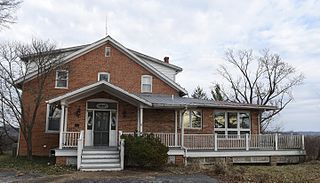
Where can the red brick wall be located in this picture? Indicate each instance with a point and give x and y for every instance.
(124, 73)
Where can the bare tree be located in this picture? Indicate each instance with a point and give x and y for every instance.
(17, 63)
(7, 10)
(199, 93)
(261, 80)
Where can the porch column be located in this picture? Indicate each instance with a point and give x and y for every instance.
(63, 104)
(182, 130)
(140, 120)
(175, 128)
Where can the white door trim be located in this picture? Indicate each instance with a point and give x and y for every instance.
(89, 133)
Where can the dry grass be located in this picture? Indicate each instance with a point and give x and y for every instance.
(306, 172)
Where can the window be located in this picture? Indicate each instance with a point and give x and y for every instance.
(61, 79)
(107, 52)
(53, 117)
(232, 123)
(146, 84)
(192, 119)
(104, 76)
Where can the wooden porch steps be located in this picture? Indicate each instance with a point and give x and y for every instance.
(100, 159)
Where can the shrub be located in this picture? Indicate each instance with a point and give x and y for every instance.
(144, 151)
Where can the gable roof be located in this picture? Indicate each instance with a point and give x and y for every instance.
(75, 52)
(99, 87)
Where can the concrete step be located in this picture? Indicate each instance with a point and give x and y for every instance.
(113, 160)
(99, 169)
(99, 156)
(94, 148)
(96, 152)
(100, 165)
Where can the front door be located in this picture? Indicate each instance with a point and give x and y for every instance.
(101, 128)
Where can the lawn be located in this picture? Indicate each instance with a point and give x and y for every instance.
(39, 165)
(305, 172)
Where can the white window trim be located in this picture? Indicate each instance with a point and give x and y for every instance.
(238, 129)
(146, 76)
(56, 82)
(107, 73)
(105, 51)
(47, 122)
(190, 121)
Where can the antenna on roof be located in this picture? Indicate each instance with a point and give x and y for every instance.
(106, 25)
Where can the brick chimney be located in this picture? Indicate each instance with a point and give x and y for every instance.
(166, 59)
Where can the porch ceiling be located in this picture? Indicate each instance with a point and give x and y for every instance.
(101, 86)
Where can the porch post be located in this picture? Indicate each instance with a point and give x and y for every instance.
(138, 121)
(141, 120)
(182, 130)
(61, 124)
(175, 128)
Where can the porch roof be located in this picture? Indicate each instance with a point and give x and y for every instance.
(100, 86)
(168, 101)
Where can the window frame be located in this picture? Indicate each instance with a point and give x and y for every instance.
(56, 81)
(190, 119)
(151, 78)
(107, 73)
(109, 51)
(47, 121)
(238, 129)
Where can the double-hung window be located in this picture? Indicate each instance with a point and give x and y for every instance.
(192, 119)
(146, 84)
(53, 117)
(232, 122)
(62, 77)
(103, 76)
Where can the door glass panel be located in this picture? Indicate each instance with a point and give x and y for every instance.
(113, 120)
(101, 128)
(90, 120)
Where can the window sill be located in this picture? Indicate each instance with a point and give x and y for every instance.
(61, 87)
(52, 132)
(193, 128)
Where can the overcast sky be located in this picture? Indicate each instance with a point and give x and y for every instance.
(194, 34)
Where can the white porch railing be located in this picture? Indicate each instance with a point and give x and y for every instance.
(198, 141)
(169, 139)
(70, 139)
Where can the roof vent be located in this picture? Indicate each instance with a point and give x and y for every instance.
(166, 59)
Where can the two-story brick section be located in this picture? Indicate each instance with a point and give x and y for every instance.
(102, 90)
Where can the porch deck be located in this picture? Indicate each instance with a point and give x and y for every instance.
(214, 143)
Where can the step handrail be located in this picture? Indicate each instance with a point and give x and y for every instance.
(80, 148)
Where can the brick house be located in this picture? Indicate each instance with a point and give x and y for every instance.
(102, 90)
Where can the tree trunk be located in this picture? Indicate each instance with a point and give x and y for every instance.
(29, 145)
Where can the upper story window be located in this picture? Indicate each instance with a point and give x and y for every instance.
(232, 123)
(192, 119)
(104, 76)
(146, 84)
(107, 52)
(53, 117)
(62, 79)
